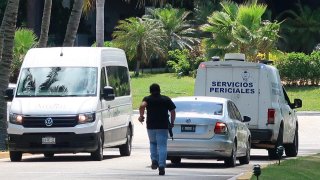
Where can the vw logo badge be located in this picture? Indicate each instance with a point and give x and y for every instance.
(188, 121)
(48, 122)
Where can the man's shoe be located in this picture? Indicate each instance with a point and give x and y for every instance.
(161, 171)
(154, 164)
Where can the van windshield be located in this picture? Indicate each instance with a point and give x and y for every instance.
(57, 81)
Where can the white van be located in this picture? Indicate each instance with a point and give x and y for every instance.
(257, 91)
(70, 100)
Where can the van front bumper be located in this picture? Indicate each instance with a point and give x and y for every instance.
(64, 142)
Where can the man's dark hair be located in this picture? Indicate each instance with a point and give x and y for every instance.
(154, 89)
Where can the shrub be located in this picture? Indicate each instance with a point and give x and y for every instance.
(179, 61)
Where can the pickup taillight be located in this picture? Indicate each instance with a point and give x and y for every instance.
(271, 116)
(220, 128)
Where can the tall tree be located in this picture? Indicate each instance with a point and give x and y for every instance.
(140, 38)
(73, 23)
(100, 23)
(45, 23)
(9, 26)
(178, 28)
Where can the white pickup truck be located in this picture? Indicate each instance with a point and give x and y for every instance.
(257, 90)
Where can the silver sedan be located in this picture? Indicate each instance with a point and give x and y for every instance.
(209, 127)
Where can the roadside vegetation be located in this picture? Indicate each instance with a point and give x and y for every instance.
(294, 169)
(173, 86)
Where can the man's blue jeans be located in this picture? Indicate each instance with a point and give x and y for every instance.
(158, 145)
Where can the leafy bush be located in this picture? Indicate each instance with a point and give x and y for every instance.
(179, 61)
(299, 68)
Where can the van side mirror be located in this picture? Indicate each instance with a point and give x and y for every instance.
(297, 103)
(8, 94)
(246, 119)
(108, 93)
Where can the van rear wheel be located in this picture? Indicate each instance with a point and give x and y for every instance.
(272, 153)
(48, 155)
(15, 156)
(125, 150)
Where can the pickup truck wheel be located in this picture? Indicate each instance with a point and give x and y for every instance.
(272, 153)
(292, 149)
(125, 150)
(97, 155)
(15, 156)
(232, 160)
(246, 159)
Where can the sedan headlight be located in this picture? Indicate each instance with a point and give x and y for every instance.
(16, 119)
(86, 118)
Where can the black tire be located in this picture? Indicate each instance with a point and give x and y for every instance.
(175, 160)
(246, 159)
(125, 150)
(293, 148)
(15, 156)
(272, 153)
(48, 155)
(232, 160)
(97, 155)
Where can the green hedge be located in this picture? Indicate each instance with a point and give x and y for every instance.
(299, 68)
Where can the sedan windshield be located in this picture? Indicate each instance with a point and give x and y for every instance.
(199, 107)
(57, 81)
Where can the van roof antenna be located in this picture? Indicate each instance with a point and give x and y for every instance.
(61, 53)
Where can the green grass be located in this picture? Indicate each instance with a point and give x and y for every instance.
(172, 86)
(293, 169)
(169, 83)
(310, 97)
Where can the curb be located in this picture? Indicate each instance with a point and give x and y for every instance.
(4, 155)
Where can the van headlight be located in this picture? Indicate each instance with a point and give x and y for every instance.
(86, 118)
(16, 119)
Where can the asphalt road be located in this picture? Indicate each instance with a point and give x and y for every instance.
(137, 166)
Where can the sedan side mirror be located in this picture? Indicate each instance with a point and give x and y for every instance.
(108, 93)
(246, 118)
(8, 94)
(297, 103)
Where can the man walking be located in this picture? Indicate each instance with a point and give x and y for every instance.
(158, 107)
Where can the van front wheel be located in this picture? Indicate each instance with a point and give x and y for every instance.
(125, 150)
(15, 156)
(292, 149)
(97, 155)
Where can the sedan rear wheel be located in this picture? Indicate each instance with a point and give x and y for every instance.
(246, 159)
(232, 160)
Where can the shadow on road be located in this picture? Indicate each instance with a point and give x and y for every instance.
(65, 158)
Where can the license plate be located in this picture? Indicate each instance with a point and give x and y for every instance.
(48, 140)
(188, 128)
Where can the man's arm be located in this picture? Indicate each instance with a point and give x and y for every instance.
(172, 116)
(141, 111)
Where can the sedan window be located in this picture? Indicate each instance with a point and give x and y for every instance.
(199, 107)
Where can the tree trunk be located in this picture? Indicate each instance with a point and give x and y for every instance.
(73, 23)
(9, 26)
(100, 23)
(45, 23)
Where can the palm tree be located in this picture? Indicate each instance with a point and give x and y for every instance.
(8, 25)
(140, 38)
(73, 23)
(175, 23)
(100, 23)
(240, 29)
(24, 39)
(301, 29)
(45, 23)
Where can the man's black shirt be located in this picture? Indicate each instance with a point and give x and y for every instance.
(157, 111)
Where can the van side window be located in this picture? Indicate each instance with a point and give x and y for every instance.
(231, 111)
(118, 78)
(103, 80)
(236, 112)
